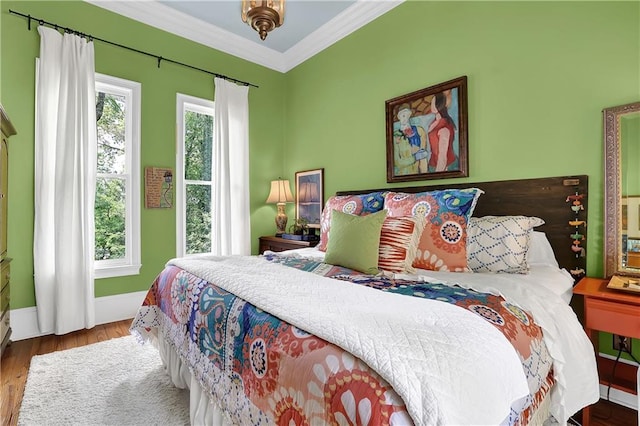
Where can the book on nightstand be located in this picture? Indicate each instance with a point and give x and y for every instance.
(298, 237)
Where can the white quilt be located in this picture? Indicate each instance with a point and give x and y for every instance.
(545, 293)
(574, 362)
(448, 365)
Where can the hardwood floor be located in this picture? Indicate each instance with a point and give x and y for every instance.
(14, 367)
(606, 413)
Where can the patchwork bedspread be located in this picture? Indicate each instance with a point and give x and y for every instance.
(280, 339)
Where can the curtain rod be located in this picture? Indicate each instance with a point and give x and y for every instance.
(90, 37)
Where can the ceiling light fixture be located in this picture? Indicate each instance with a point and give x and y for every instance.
(263, 15)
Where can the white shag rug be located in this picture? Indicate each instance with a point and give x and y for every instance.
(115, 382)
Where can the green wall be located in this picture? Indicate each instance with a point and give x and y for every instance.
(539, 75)
(19, 48)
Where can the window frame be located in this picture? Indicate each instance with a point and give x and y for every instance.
(203, 106)
(131, 263)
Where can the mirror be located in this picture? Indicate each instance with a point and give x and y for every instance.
(622, 190)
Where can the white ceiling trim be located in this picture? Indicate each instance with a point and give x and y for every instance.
(354, 17)
(158, 15)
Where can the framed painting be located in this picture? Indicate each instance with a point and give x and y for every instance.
(427, 133)
(158, 188)
(310, 196)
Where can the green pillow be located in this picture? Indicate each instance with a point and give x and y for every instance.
(354, 241)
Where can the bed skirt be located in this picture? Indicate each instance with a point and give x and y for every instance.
(202, 411)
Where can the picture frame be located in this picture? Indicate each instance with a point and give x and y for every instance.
(417, 122)
(158, 187)
(310, 196)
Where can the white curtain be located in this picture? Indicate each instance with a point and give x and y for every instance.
(231, 224)
(65, 173)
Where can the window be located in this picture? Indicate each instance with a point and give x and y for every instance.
(194, 189)
(117, 205)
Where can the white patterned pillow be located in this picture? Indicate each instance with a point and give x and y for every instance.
(500, 243)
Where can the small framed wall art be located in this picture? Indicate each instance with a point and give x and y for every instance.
(310, 196)
(427, 133)
(158, 188)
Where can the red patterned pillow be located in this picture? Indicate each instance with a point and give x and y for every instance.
(442, 246)
(398, 243)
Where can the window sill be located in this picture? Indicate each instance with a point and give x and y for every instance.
(117, 271)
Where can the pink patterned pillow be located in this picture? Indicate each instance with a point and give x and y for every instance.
(360, 205)
(442, 246)
(398, 243)
(351, 204)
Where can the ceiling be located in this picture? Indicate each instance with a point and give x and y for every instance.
(309, 25)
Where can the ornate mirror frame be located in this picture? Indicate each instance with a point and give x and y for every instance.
(613, 190)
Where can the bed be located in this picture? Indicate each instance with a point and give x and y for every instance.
(310, 337)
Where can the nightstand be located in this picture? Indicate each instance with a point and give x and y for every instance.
(612, 311)
(281, 244)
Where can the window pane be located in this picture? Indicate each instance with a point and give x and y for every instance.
(110, 115)
(197, 145)
(198, 219)
(110, 219)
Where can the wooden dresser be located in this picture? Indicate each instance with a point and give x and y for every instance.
(5, 321)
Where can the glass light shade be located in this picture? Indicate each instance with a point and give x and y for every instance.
(263, 15)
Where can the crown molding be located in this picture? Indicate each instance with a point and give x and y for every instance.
(165, 18)
(158, 15)
(351, 19)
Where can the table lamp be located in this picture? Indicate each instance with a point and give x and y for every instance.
(280, 194)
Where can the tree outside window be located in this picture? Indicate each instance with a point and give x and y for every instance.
(194, 176)
(110, 190)
(117, 203)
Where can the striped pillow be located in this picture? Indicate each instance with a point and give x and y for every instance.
(399, 240)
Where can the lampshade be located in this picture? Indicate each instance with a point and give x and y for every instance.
(263, 15)
(308, 192)
(280, 192)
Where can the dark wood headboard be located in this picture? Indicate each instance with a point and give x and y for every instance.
(545, 198)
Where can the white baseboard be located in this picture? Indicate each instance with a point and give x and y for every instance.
(619, 397)
(24, 322)
(626, 399)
